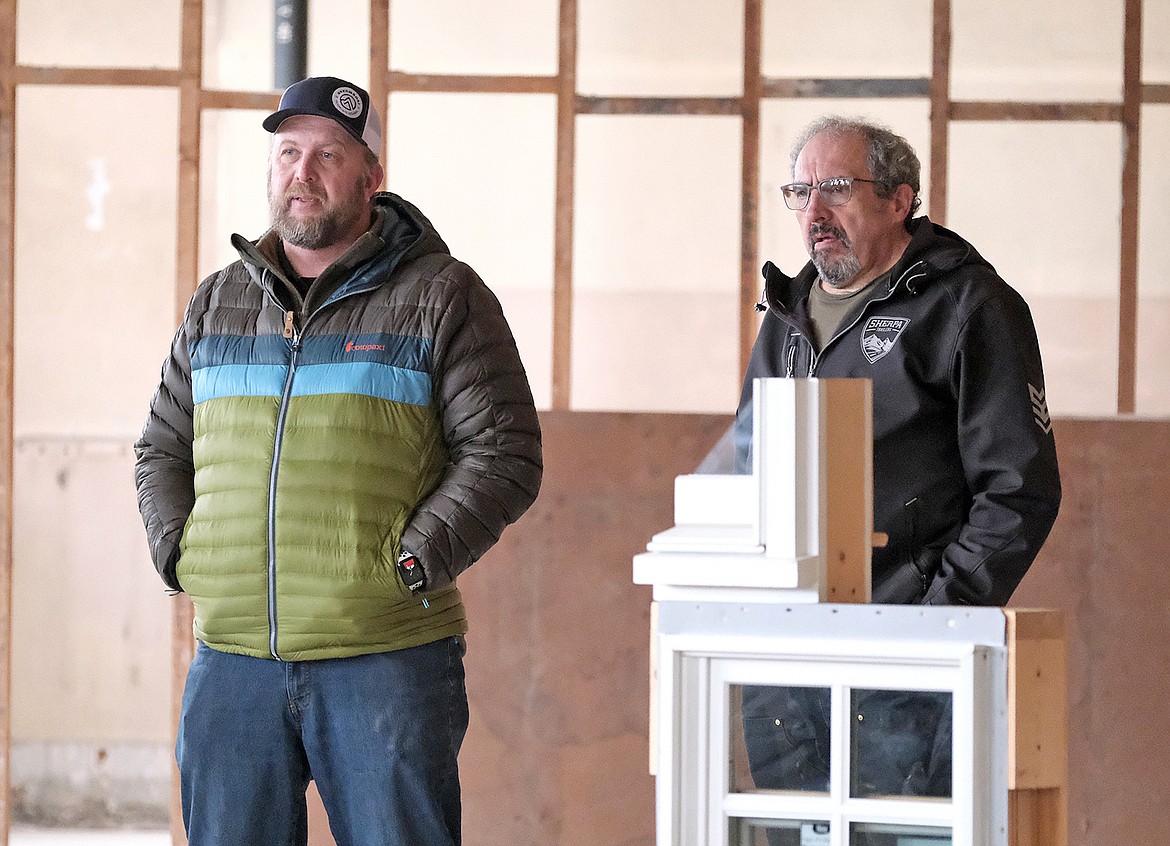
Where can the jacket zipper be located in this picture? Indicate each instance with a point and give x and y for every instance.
(295, 335)
(290, 332)
(905, 277)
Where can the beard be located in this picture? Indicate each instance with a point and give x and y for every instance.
(835, 271)
(334, 221)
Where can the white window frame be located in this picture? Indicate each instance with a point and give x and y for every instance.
(695, 803)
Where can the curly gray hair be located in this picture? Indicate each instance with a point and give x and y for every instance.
(891, 159)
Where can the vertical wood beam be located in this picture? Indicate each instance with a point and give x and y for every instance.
(562, 335)
(940, 110)
(186, 278)
(1131, 118)
(749, 232)
(380, 70)
(7, 360)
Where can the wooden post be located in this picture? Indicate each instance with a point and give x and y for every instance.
(848, 479)
(1037, 728)
(7, 306)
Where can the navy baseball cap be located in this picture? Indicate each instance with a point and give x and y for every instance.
(333, 98)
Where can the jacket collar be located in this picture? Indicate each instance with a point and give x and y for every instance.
(933, 251)
(398, 231)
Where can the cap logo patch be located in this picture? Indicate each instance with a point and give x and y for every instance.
(880, 334)
(347, 101)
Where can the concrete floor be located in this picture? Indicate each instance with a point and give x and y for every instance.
(21, 836)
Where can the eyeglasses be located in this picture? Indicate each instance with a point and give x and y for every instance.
(834, 192)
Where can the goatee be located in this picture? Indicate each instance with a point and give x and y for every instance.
(835, 272)
(332, 222)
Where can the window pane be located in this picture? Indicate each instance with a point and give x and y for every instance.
(1059, 246)
(900, 744)
(857, 44)
(502, 37)
(656, 264)
(106, 188)
(99, 33)
(877, 834)
(1153, 329)
(783, 741)
(233, 184)
(991, 61)
(1156, 42)
(482, 167)
(745, 832)
(780, 123)
(660, 48)
(238, 49)
(339, 40)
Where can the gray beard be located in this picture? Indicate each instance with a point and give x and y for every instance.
(308, 234)
(837, 272)
(320, 232)
(314, 234)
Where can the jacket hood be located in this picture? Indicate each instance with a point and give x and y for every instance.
(398, 232)
(934, 251)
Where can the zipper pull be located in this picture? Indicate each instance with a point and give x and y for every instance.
(288, 324)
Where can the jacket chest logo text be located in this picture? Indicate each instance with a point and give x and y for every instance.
(880, 334)
(352, 347)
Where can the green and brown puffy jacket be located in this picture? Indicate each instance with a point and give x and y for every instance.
(294, 447)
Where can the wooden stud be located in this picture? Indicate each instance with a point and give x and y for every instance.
(658, 105)
(186, 278)
(750, 282)
(1005, 111)
(380, 86)
(215, 99)
(940, 109)
(826, 88)
(562, 336)
(138, 77)
(848, 487)
(1037, 728)
(1131, 122)
(7, 309)
(1036, 818)
(473, 84)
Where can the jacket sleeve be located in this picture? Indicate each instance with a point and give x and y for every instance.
(491, 432)
(1008, 454)
(164, 471)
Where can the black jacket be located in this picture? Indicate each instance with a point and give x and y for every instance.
(965, 476)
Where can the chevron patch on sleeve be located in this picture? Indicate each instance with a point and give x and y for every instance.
(1040, 409)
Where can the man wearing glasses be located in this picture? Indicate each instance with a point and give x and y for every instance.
(965, 477)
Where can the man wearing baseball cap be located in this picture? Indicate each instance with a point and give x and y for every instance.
(343, 426)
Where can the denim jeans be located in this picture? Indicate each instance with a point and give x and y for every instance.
(379, 734)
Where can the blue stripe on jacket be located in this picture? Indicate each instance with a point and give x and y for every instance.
(389, 367)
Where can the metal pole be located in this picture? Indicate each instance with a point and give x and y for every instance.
(291, 36)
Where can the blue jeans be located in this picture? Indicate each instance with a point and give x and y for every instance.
(379, 734)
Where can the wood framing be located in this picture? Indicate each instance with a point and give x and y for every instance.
(750, 281)
(940, 109)
(1037, 728)
(562, 316)
(7, 360)
(380, 70)
(848, 489)
(1131, 127)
